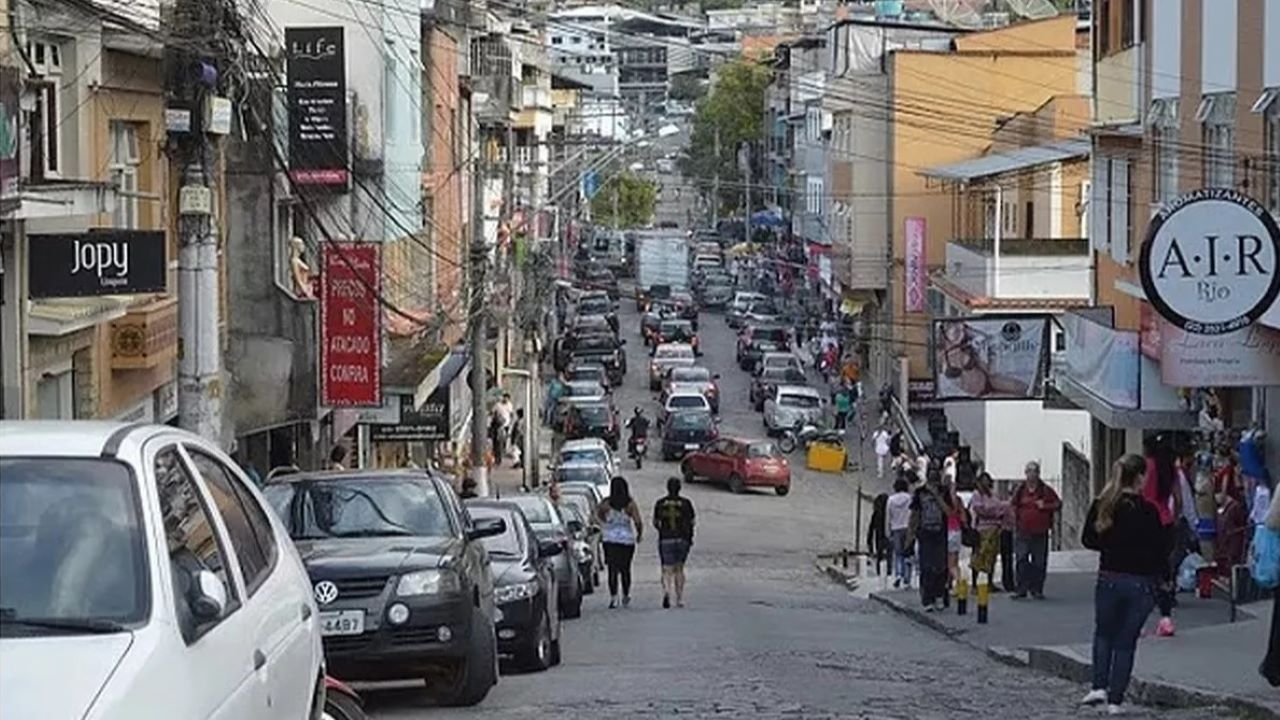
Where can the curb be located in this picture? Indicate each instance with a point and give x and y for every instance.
(837, 574)
(917, 615)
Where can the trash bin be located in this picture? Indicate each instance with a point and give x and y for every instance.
(825, 457)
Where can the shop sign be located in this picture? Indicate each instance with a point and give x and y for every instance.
(916, 270)
(1209, 262)
(101, 262)
(350, 323)
(1242, 358)
(317, 79)
(430, 422)
(991, 357)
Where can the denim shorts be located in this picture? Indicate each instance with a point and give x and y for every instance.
(673, 551)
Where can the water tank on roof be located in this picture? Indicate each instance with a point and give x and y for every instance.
(888, 8)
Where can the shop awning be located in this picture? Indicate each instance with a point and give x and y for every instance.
(63, 316)
(1009, 161)
(442, 375)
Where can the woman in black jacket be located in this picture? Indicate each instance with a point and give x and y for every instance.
(1126, 529)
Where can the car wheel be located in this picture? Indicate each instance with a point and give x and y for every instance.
(571, 609)
(341, 707)
(555, 652)
(536, 656)
(782, 490)
(478, 671)
(588, 588)
(736, 486)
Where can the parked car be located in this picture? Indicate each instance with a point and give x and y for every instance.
(666, 357)
(738, 306)
(739, 464)
(600, 278)
(603, 349)
(588, 450)
(677, 330)
(524, 586)
(696, 378)
(143, 577)
(756, 340)
(792, 405)
(592, 420)
(686, 431)
(682, 401)
(579, 392)
(588, 372)
(584, 536)
(584, 471)
(769, 378)
(550, 527)
(400, 575)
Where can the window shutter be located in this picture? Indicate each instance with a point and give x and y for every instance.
(1120, 211)
(1095, 205)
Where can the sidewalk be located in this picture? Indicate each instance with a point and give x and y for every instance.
(1209, 662)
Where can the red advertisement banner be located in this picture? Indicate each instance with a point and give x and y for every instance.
(350, 325)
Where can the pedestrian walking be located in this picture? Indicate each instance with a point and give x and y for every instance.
(1270, 667)
(622, 531)
(878, 531)
(843, 404)
(881, 439)
(929, 509)
(1034, 504)
(517, 437)
(1161, 489)
(497, 438)
(673, 518)
(898, 518)
(1134, 548)
(988, 514)
(956, 522)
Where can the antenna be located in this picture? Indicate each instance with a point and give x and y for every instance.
(1032, 9)
(960, 13)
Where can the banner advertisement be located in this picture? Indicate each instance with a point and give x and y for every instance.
(1241, 358)
(351, 325)
(917, 272)
(99, 262)
(1103, 361)
(991, 357)
(431, 422)
(317, 77)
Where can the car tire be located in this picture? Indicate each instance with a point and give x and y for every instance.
(536, 655)
(588, 588)
(479, 670)
(556, 656)
(736, 486)
(572, 609)
(342, 707)
(782, 490)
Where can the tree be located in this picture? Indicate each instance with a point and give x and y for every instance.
(734, 107)
(687, 87)
(636, 200)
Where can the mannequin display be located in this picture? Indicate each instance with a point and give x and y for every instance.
(299, 270)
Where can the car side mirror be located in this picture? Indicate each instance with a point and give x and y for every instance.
(548, 549)
(486, 527)
(208, 598)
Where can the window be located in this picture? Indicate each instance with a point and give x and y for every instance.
(813, 195)
(1029, 221)
(124, 172)
(46, 60)
(192, 540)
(55, 394)
(1163, 119)
(1217, 115)
(247, 525)
(1271, 150)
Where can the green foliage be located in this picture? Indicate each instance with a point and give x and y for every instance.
(687, 87)
(735, 106)
(636, 200)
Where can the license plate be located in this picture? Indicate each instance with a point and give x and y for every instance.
(342, 622)
(691, 446)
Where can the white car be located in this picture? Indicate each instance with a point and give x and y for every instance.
(588, 450)
(680, 401)
(668, 356)
(742, 300)
(792, 405)
(585, 472)
(143, 576)
(779, 360)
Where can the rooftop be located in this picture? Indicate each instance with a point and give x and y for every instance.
(1009, 161)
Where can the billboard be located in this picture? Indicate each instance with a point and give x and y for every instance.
(991, 357)
(350, 325)
(99, 262)
(317, 76)
(1103, 361)
(917, 283)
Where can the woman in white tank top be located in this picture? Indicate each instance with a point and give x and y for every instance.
(623, 529)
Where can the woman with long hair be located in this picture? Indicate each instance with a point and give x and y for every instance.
(623, 530)
(1161, 489)
(1126, 529)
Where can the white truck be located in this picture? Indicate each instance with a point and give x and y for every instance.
(662, 259)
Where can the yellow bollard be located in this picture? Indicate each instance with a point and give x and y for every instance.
(984, 598)
(962, 596)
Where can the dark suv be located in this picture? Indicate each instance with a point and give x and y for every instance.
(400, 577)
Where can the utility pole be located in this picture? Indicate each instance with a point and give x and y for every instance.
(715, 186)
(200, 350)
(746, 187)
(477, 318)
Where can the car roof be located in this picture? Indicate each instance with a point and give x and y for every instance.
(584, 385)
(798, 390)
(73, 438)
(584, 444)
(686, 346)
(388, 474)
(579, 464)
(779, 356)
(689, 393)
(697, 368)
(491, 504)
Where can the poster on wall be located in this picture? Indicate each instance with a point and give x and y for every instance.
(1103, 361)
(917, 273)
(317, 77)
(991, 357)
(350, 324)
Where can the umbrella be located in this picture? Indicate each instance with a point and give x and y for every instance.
(767, 218)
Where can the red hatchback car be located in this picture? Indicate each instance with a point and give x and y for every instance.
(740, 464)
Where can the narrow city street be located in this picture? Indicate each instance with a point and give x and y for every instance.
(763, 635)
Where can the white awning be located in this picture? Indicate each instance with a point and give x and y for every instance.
(63, 316)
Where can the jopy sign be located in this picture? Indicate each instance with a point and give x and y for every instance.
(1209, 263)
(101, 262)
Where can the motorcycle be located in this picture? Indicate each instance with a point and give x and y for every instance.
(639, 448)
(341, 702)
(804, 435)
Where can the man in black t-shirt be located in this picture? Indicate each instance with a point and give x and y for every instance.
(673, 517)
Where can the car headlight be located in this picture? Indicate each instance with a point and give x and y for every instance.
(427, 582)
(510, 593)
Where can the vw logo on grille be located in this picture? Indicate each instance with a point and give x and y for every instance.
(326, 592)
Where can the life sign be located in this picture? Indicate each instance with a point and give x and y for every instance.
(1209, 264)
(99, 262)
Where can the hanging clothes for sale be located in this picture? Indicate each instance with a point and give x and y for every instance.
(1253, 464)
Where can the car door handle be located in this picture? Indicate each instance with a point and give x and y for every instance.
(259, 659)
(306, 612)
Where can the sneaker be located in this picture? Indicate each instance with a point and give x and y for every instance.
(679, 603)
(930, 608)
(613, 601)
(1020, 595)
(1095, 697)
(626, 601)
(1165, 628)
(666, 601)
(897, 583)
(1114, 709)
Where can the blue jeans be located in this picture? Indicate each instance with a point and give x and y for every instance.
(901, 558)
(1121, 604)
(1032, 556)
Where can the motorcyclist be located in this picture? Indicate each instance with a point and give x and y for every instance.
(638, 424)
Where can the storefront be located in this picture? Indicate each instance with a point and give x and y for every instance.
(426, 427)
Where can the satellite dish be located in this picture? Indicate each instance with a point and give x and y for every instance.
(1032, 9)
(960, 13)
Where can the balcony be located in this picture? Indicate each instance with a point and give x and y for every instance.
(146, 336)
(1028, 273)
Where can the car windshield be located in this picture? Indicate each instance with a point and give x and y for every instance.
(763, 450)
(595, 343)
(588, 474)
(592, 455)
(691, 421)
(672, 327)
(591, 374)
(579, 503)
(687, 401)
(359, 507)
(537, 510)
(583, 389)
(595, 306)
(509, 543)
(72, 556)
(799, 401)
(776, 371)
(594, 414)
(690, 374)
(774, 335)
(673, 353)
